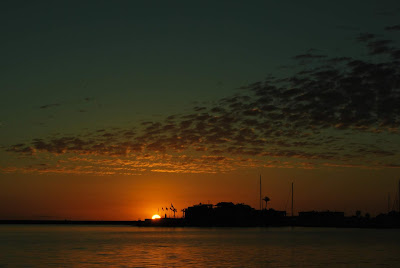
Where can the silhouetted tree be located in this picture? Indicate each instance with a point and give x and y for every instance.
(266, 199)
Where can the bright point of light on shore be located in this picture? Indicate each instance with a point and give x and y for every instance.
(156, 216)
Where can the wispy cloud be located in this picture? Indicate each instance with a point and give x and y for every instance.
(393, 28)
(51, 105)
(89, 99)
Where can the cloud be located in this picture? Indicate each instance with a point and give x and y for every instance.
(364, 37)
(21, 148)
(379, 47)
(308, 56)
(51, 105)
(328, 113)
(393, 28)
(89, 99)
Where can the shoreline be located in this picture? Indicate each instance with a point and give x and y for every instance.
(179, 222)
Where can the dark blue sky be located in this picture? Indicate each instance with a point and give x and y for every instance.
(140, 59)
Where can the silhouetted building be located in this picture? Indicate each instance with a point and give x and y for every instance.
(201, 214)
(389, 220)
(229, 214)
(321, 218)
(272, 217)
(222, 214)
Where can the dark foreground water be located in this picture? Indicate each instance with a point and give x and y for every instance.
(116, 246)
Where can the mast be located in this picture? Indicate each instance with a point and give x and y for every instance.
(398, 198)
(388, 202)
(292, 200)
(260, 192)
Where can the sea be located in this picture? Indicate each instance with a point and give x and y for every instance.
(125, 246)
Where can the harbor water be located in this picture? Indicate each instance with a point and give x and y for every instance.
(124, 246)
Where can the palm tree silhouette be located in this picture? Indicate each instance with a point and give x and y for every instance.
(266, 199)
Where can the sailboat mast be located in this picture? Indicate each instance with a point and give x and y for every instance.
(292, 199)
(260, 192)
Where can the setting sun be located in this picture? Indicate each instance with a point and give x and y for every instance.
(156, 216)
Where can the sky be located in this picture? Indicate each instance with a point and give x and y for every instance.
(112, 110)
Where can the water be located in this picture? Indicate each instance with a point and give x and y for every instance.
(116, 246)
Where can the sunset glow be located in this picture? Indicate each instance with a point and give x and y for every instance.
(117, 116)
(223, 133)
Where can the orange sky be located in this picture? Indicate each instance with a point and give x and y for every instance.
(138, 197)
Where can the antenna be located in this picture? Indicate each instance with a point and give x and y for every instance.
(292, 200)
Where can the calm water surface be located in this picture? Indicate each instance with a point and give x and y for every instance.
(116, 246)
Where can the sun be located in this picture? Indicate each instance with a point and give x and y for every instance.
(156, 216)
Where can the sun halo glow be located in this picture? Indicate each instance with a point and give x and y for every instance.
(156, 216)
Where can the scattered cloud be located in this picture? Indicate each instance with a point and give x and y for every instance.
(51, 105)
(308, 56)
(364, 37)
(393, 28)
(89, 99)
(328, 113)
